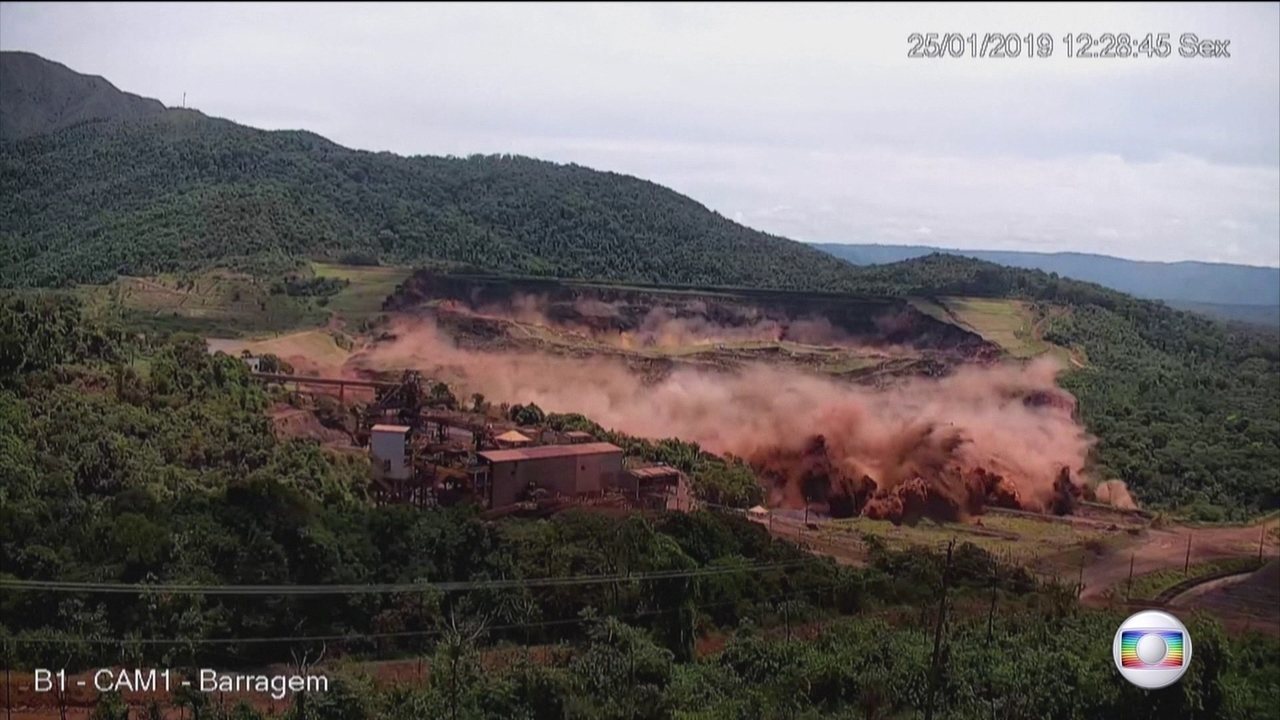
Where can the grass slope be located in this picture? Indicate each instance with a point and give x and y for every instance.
(1014, 325)
(215, 303)
(368, 287)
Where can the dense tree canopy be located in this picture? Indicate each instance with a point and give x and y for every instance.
(185, 191)
(167, 470)
(146, 464)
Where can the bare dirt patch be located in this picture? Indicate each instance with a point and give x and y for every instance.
(292, 422)
(1165, 548)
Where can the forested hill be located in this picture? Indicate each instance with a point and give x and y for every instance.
(40, 96)
(1234, 291)
(185, 191)
(1184, 407)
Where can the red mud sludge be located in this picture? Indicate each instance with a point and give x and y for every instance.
(936, 484)
(945, 448)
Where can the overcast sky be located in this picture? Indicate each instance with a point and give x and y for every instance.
(806, 121)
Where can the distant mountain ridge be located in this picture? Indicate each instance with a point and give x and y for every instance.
(40, 96)
(1201, 286)
(1268, 315)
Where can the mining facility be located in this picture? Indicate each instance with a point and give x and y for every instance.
(424, 452)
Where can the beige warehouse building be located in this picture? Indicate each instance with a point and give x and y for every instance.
(559, 469)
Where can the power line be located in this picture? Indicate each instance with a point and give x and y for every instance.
(64, 640)
(379, 588)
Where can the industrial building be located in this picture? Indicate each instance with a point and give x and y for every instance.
(657, 487)
(427, 456)
(389, 447)
(511, 439)
(566, 470)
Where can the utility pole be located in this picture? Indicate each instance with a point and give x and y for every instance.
(936, 663)
(991, 627)
(1080, 578)
(1262, 537)
(991, 614)
(991, 620)
(1128, 588)
(1186, 566)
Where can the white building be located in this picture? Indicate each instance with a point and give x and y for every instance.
(389, 450)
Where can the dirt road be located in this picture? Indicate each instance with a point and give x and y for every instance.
(1150, 550)
(1166, 548)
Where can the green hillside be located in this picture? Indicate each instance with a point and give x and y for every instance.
(184, 191)
(39, 96)
(1185, 407)
(179, 480)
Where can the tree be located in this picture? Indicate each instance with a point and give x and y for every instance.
(527, 415)
(456, 666)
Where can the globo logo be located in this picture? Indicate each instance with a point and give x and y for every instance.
(1152, 649)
